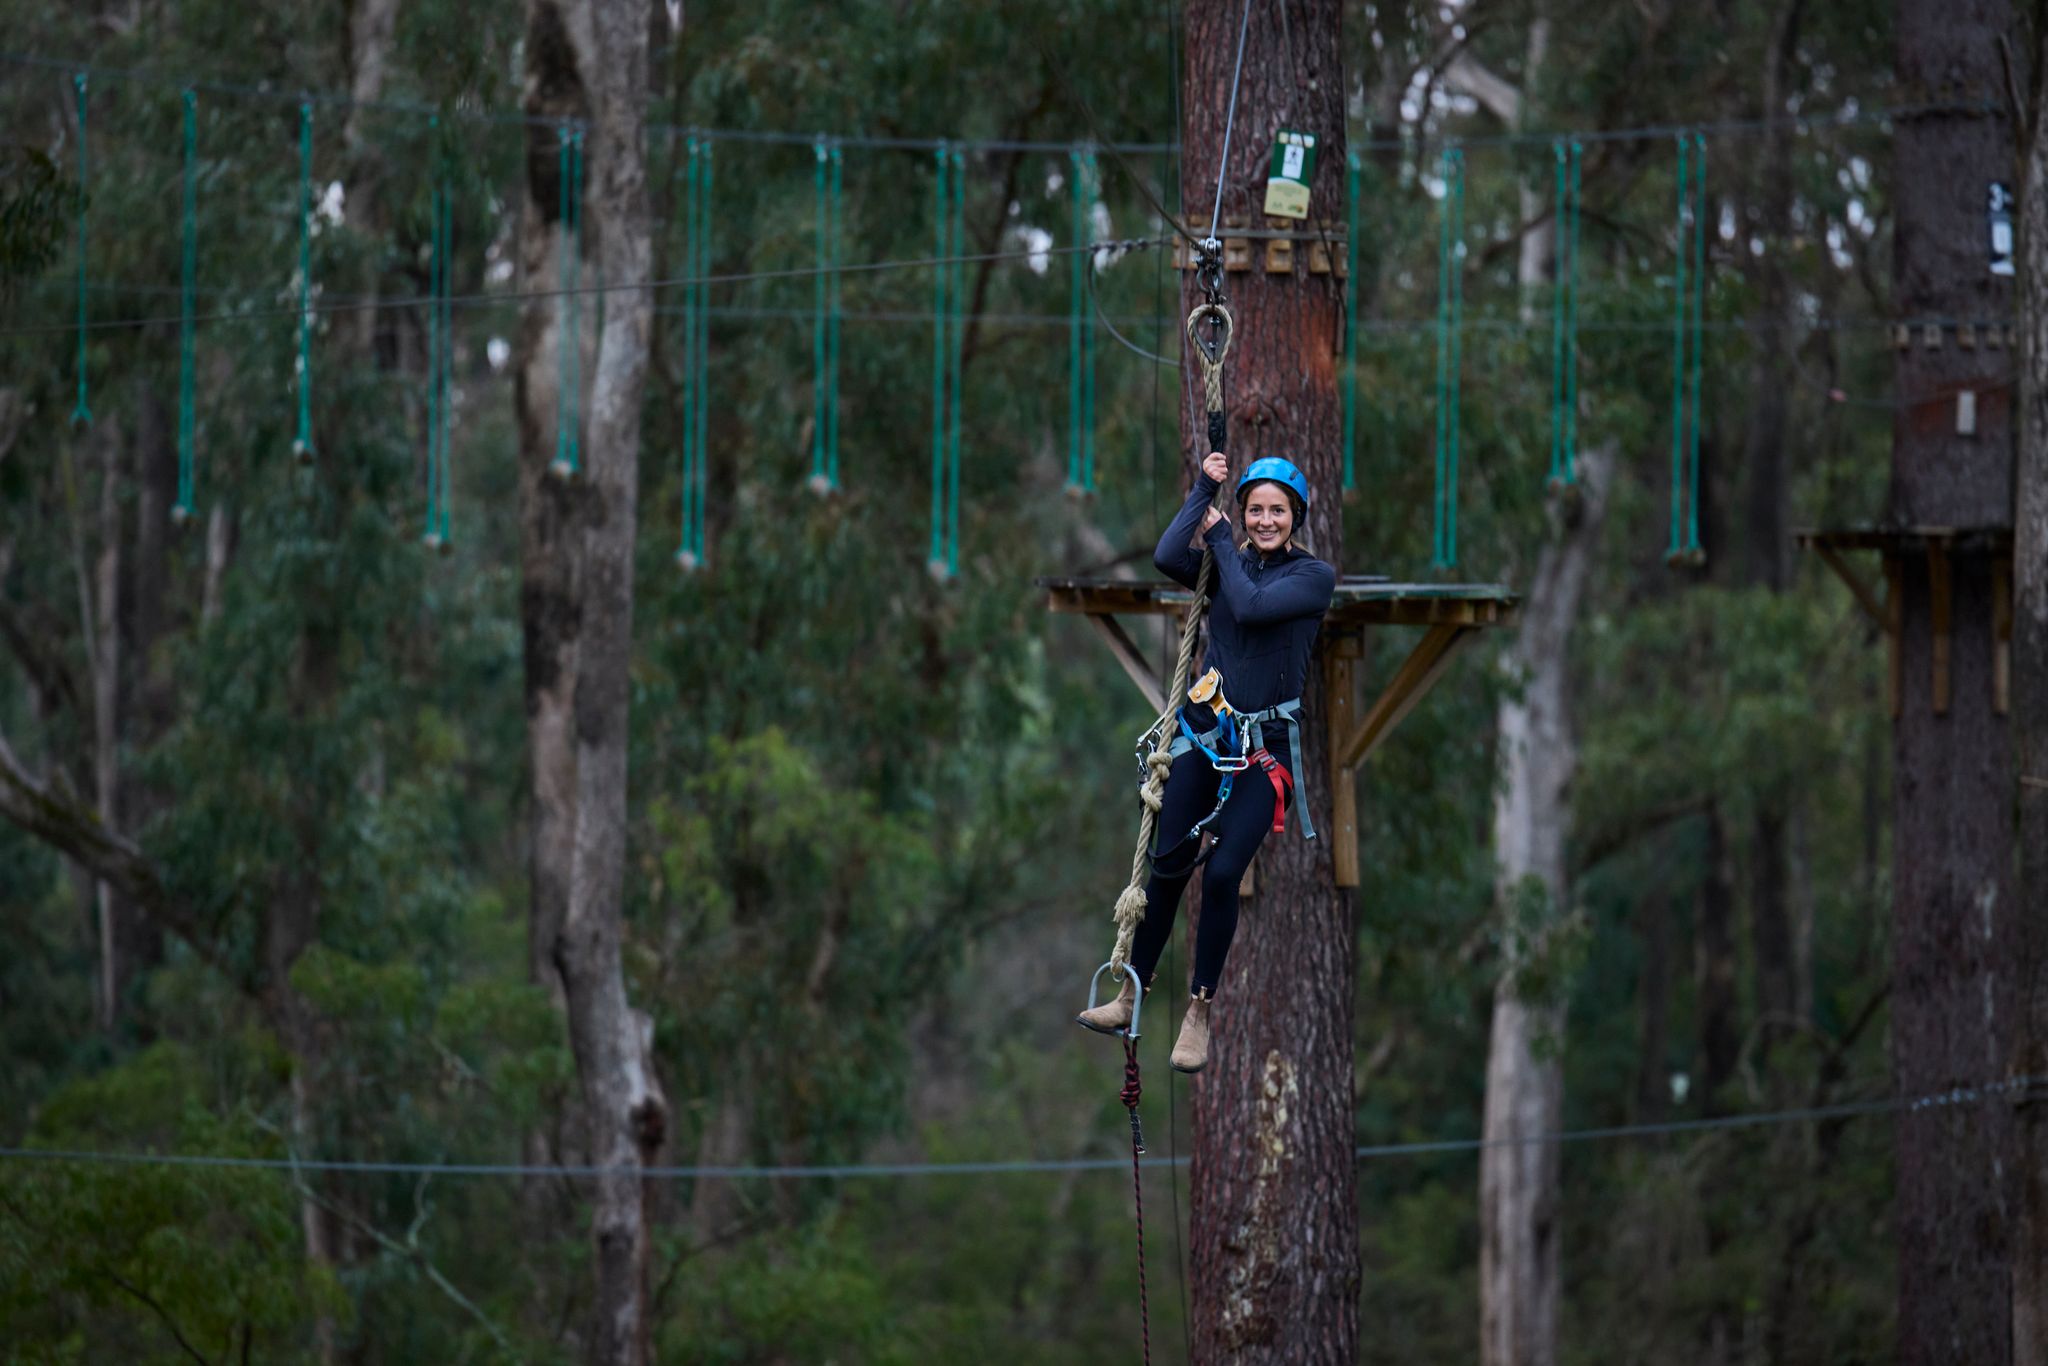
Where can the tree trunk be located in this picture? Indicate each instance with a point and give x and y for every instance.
(2030, 730)
(1274, 1219)
(1954, 920)
(1720, 1037)
(1519, 1279)
(601, 52)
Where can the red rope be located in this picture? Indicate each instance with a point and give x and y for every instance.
(1130, 1096)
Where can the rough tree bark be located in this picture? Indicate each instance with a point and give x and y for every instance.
(601, 51)
(1274, 1220)
(1519, 1264)
(2030, 722)
(1954, 919)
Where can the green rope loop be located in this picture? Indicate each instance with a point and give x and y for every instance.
(1699, 310)
(958, 358)
(1560, 237)
(702, 234)
(302, 445)
(1571, 328)
(821, 159)
(1450, 341)
(1350, 317)
(81, 412)
(838, 215)
(686, 548)
(936, 557)
(1678, 298)
(434, 267)
(189, 269)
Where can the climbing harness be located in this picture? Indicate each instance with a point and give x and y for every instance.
(1235, 743)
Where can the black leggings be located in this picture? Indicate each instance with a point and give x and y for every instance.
(1239, 829)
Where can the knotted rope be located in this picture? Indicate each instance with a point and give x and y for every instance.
(1130, 905)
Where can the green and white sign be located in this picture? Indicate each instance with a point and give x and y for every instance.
(1294, 162)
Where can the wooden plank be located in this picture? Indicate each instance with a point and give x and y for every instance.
(1411, 683)
(2001, 635)
(1866, 596)
(1894, 608)
(1340, 669)
(1941, 597)
(1127, 653)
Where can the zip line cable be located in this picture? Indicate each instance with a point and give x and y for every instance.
(1116, 246)
(188, 233)
(1852, 112)
(2020, 1089)
(1229, 120)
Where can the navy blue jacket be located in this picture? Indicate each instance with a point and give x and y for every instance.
(1263, 610)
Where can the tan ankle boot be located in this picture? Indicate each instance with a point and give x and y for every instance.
(1191, 1049)
(1113, 1016)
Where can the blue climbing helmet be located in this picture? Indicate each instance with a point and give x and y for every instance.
(1272, 469)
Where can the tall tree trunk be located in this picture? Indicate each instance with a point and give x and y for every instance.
(1274, 1219)
(1954, 920)
(1519, 1262)
(2030, 724)
(601, 50)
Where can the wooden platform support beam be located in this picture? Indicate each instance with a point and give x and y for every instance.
(1411, 683)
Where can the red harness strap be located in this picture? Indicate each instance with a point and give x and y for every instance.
(1283, 786)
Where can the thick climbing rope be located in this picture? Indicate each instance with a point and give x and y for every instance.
(189, 268)
(1350, 317)
(1450, 294)
(302, 445)
(81, 412)
(936, 557)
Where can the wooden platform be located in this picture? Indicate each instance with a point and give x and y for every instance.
(1938, 545)
(1450, 615)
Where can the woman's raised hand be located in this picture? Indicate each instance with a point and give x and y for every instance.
(1217, 466)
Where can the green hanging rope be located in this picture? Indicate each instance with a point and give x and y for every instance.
(1076, 283)
(81, 413)
(686, 549)
(1350, 317)
(189, 269)
(1678, 298)
(936, 557)
(432, 536)
(1699, 311)
(699, 540)
(821, 159)
(302, 445)
(447, 363)
(1560, 236)
(837, 218)
(958, 349)
(1450, 326)
(568, 171)
(1093, 186)
(1571, 328)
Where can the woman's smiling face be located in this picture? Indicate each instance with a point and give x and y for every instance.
(1268, 516)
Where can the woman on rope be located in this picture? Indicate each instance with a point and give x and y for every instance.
(1231, 774)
